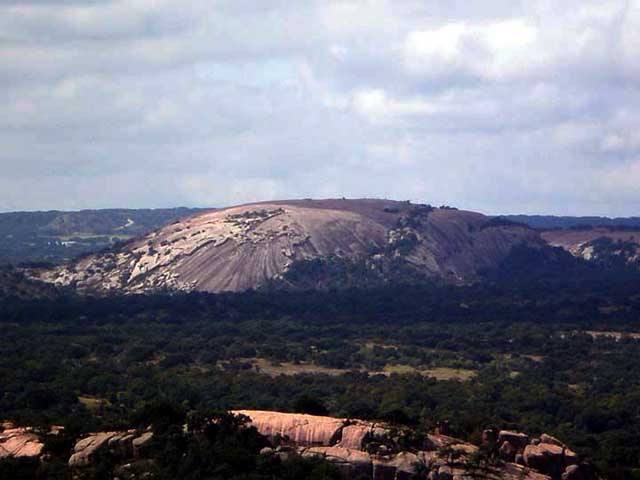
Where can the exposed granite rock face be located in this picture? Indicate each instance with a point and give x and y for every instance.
(86, 448)
(356, 435)
(350, 462)
(364, 449)
(546, 455)
(598, 244)
(371, 449)
(19, 442)
(296, 429)
(248, 246)
(549, 458)
(544, 438)
(122, 444)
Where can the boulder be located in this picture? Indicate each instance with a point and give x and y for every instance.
(517, 439)
(451, 473)
(356, 435)
(350, 462)
(431, 460)
(19, 442)
(436, 442)
(572, 472)
(406, 464)
(489, 436)
(507, 451)
(511, 471)
(296, 428)
(121, 444)
(545, 458)
(141, 442)
(383, 469)
(544, 438)
(580, 472)
(85, 449)
(570, 457)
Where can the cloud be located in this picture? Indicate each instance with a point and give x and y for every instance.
(501, 107)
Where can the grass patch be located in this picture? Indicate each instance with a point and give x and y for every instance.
(93, 403)
(439, 373)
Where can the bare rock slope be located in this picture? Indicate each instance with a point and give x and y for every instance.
(248, 246)
(599, 244)
(367, 449)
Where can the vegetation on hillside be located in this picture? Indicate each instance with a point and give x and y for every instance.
(534, 350)
(54, 237)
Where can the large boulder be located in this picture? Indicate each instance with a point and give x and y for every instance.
(507, 452)
(121, 444)
(406, 464)
(140, 443)
(517, 439)
(19, 442)
(350, 462)
(580, 472)
(357, 435)
(544, 438)
(297, 429)
(86, 448)
(547, 458)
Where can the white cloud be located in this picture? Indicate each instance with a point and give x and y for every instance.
(497, 105)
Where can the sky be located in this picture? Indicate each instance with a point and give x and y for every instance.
(499, 106)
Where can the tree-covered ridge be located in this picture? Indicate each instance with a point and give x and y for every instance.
(57, 236)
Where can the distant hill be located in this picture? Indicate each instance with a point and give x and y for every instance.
(302, 244)
(546, 222)
(56, 237)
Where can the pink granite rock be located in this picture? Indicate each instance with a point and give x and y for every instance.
(19, 442)
(298, 429)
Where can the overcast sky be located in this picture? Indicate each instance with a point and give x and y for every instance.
(499, 106)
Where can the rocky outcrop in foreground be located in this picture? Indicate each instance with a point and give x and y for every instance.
(360, 449)
(19, 442)
(121, 444)
(373, 449)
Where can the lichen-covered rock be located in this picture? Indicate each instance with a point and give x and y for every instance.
(19, 442)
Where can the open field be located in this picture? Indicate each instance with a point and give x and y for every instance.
(264, 366)
(93, 403)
